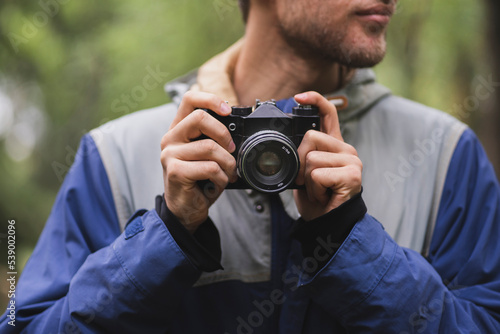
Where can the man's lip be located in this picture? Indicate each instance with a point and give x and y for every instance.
(379, 10)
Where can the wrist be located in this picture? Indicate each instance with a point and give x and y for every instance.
(202, 246)
(333, 227)
(189, 217)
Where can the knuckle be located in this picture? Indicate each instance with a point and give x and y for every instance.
(223, 132)
(231, 164)
(212, 168)
(189, 95)
(355, 163)
(209, 146)
(355, 174)
(310, 135)
(224, 180)
(310, 157)
(199, 115)
(173, 170)
(165, 140)
(351, 150)
(358, 163)
(315, 174)
(164, 158)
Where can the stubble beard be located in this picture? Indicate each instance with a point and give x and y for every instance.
(328, 46)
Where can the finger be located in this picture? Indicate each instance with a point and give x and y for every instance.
(185, 174)
(202, 150)
(319, 159)
(319, 141)
(316, 192)
(198, 100)
(345, 181)
(196, 124)
(327, 111)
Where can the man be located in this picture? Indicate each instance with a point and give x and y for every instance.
(100, 267)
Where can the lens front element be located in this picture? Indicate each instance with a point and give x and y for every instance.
(268, 161)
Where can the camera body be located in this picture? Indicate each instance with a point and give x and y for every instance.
(266, 144)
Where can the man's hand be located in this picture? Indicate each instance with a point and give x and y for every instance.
(329, 167)
(186, 161)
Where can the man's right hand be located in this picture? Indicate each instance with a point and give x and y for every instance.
(186, 161)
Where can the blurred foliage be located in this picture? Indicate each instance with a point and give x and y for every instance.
(65, 67)
(435, 48)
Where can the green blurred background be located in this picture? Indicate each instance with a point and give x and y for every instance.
(65, 66)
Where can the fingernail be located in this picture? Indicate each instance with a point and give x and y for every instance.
(301, 96)
(232, 146)
(225, 108)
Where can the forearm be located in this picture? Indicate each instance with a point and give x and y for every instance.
(142, 287)
(132, 285)
(373, 285)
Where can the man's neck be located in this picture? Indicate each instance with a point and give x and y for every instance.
(268, 68)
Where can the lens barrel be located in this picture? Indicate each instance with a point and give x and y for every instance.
(268, 161)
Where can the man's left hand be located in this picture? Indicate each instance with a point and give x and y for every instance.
(330, 169)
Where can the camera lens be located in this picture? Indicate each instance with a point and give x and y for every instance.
(268, 161)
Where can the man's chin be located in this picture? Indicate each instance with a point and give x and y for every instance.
(354, 58)
(361, 60)
(367, 55)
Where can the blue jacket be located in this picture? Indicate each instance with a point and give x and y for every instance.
(87, 275)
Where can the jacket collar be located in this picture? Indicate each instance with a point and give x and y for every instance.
(215, 76)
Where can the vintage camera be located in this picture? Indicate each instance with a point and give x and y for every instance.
(266, 144)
